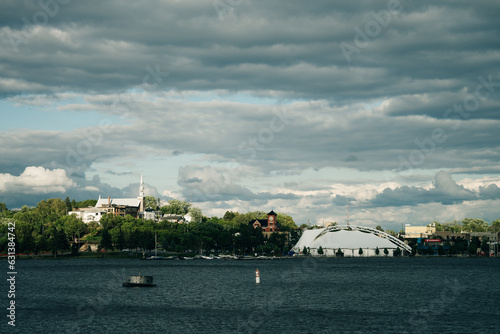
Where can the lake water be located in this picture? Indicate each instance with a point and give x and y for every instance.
(326, 295)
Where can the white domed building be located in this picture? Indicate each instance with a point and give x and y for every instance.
(349, 238)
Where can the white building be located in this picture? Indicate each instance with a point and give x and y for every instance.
(419, 231)
(349, 238)
(113, 206)
(124, 206)
(88, 215)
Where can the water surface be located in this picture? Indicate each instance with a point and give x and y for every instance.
(325, 295)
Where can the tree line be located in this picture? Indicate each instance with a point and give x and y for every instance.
(468, 225)
(48, 228)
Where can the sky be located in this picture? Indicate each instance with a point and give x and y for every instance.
(388, 107)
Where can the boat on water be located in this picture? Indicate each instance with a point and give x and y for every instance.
(139, 281)
(155, 257)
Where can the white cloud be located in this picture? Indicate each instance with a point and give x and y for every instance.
(36, 180)
(476, 184)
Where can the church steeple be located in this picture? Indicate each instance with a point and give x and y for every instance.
(141, 188)
(141, 196)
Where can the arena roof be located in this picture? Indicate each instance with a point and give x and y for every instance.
(348, 237)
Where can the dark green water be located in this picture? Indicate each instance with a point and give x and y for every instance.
(328, 295)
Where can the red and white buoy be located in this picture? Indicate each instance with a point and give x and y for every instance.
(257, 276)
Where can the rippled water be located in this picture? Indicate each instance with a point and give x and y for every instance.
(327, 295)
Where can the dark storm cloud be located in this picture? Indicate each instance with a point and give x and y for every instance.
(218, 184)
(445, 191)
(314, 136)
(421, 91)
(491, 191)
(292, 48)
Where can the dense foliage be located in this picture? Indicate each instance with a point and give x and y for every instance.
(47, 227)
(468, 225)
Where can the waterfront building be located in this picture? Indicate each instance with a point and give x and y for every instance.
(268, 225)
(349, 239)
(124, 206)
(419, 231)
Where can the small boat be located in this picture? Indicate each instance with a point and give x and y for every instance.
(155, 257)
(139, 281)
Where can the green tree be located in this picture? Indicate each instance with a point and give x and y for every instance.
(146, 239)
(472, 249)
(414, 250)
(24, 237)
(229, 215)
(195, 214)
(379, 228)
(106, 242)
(279, 240)
(386, 252)
(304, 250)
(150, 202)
(495, 225)
(285, 222)
(84, 204)
(72, 226)
(58, 240)
(377, 251)
(339, 252)
(397, 252)
(474, 225)
(118, 238)
(476, 242)
(248, 238)
(453, 249)
(485, 247)
(69, 206)
(441, 250)
(74, 249)
(176, 207)
(439, 227)
(391, 232)
(3, 207)
(320, 250)
(360, 251)
(51, 209)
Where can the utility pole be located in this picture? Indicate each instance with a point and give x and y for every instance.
(347, 212)
(495, 246)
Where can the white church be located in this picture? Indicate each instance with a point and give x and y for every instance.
(115, 207)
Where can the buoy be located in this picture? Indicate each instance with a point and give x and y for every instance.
(257, 276)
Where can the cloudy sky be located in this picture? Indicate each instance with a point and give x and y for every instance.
(243, 105)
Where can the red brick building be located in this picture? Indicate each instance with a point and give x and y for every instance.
(268, 225)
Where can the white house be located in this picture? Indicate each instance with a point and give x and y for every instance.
(88, 215)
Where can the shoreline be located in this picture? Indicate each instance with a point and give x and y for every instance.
(189, 257)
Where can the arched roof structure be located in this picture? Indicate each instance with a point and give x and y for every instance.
(348, 237)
